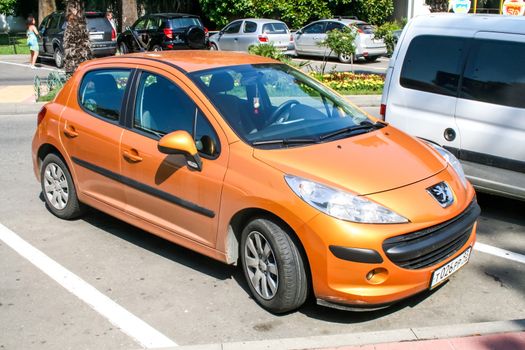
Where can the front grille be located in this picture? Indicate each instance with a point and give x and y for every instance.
(420, 249)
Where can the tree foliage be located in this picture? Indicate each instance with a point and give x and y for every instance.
(7, 7)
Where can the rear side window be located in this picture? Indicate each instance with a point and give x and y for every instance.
(334, 25)
(184, 22)
(250, 27)
(433, 64)
(102, 92)
(314, 28)
(495, 73)
(53, 23)
(275, 28)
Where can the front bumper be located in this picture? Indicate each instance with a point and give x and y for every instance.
(387, 263)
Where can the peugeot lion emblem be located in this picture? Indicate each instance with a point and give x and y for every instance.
(442, 193)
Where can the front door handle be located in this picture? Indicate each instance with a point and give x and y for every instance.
(132, 156)
(70, 131)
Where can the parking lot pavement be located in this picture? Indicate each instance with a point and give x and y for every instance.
(192, 299)
(314, 63)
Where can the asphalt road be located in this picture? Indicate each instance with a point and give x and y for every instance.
(192, 299)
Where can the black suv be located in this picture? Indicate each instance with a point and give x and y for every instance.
(102, 36)
(164, 31)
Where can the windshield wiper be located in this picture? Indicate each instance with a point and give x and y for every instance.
(355, 129)
(291, 141)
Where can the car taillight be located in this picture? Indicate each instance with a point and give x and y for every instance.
(206, 31)
(41, 115)
(113, 35)
(168, 32)
(263, 38)
(382, 111)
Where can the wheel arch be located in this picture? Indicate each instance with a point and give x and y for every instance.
(242, 218)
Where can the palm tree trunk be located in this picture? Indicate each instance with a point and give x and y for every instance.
(45, 7)
(77, 47)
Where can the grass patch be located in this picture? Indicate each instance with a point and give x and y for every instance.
(7, 48)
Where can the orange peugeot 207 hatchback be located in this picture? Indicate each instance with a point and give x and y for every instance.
(249, 161)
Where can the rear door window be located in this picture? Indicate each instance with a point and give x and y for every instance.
(433, 64)
(250, 27)
(495, 73)
(102, 92)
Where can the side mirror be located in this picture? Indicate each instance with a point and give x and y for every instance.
(181, 142)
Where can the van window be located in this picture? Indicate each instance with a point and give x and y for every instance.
(433, 63)
(495, 73)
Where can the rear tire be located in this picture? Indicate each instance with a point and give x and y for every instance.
(273, 266)
(58, 188)
(58, 56)
(213, 47)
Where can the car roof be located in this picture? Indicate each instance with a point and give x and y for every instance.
(171, 15)
(259, 20)
(342, 20)
(474, 22)
(188, 60)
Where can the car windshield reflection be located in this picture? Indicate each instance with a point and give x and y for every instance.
(268, 105)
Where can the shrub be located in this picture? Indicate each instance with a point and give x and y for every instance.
(386, 32)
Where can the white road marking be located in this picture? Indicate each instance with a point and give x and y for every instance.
(502, 253)
(27, 66)
(128, 323)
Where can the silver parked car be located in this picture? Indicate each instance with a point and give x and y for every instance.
(307, 39)
(240, 34)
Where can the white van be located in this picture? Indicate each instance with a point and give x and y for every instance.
(459, 81)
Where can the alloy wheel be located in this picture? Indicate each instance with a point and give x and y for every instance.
(261, 265)
(56, 186)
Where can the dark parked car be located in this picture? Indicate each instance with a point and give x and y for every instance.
(164, 31)
(102, 36)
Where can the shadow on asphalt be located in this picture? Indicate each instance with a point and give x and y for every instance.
(493, 207)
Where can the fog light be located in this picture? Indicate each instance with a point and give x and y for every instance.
(377, 276)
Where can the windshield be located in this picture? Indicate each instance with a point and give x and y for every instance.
(274, 104)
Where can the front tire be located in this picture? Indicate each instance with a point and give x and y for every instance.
(213, 47)
(58, 188)
(273, 266)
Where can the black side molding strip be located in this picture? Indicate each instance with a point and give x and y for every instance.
(145, 188)
(361, 255)
(488, 159)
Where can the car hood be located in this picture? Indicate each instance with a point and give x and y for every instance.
(374, 162)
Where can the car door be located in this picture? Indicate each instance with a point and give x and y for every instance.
(306, 41)
(52, 33)
(140, 29)
(247, 36)
(229, 37)
(162, 189)
(42, 39)
(490, 112)
(90, 132)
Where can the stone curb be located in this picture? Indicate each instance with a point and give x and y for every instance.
(367, 338)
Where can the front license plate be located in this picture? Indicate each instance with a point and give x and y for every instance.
(447, 270)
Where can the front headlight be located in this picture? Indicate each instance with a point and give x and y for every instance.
(342, 205)
(452, 160)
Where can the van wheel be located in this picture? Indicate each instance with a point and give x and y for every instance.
(58, 188)
(345, 58)
(273, 266)
(58, 56)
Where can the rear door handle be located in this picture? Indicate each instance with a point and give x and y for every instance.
(70, 131)
(132, 156)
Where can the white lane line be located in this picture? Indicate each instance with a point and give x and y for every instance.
(128, 323)
(27, 66)
(502, 253)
